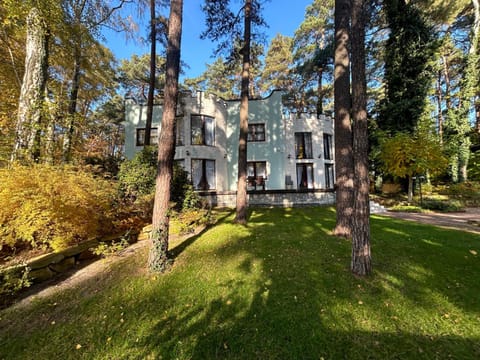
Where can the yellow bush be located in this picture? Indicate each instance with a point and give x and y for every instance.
(52, 207)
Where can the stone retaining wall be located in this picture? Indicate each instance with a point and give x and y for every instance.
(284, 198)
(47, 266)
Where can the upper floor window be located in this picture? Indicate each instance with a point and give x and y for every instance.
(327, 147)
(256, 132)
(141, 136)
(203, 130)
(303, 145)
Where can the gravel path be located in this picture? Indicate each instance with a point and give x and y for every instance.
(466, 221)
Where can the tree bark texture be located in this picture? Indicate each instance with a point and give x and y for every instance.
(343, 129)
(32, 92)
(361, 263)
(158, 256)
(151, 82)
(72, 106)
(241, 205)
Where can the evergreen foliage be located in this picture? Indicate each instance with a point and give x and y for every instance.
(409, 53)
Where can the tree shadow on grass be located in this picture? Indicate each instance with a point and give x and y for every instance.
(306, 304)
(283, 290)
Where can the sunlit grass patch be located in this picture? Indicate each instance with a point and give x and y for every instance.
(278, 288)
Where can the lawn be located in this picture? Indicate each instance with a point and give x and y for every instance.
(279, 288)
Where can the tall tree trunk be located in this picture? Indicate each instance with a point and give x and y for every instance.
(439, 108)
(151, 82)
(72, 107)
(361, 263)
(158, 256)
(343, 129)
(320, 91)
(30, 103)
(474, 50)
(241, 211)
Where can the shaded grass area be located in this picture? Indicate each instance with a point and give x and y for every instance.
(279, 288)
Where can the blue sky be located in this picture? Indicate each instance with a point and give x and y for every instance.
(282, 16)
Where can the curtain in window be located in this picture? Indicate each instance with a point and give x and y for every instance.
(308, 145)
(210, 173)
(197, 173)
(180, 131)
(203, 174)
(305, 176)
(196, 130)
(303, 145)
(261, 169)
(209, 131)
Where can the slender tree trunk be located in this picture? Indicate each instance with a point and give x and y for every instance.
(158, 256)
(361, 256)
(320, 92)
(410, 188)
(72, 107)
(30, 103)
(151, 82)
(343, 129)
(474, 50)
(241, 211)
(439, 108)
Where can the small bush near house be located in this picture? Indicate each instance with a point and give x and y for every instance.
(137, 183)
(52, 207)
(136, 177)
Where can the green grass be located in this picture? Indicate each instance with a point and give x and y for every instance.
(279, 288)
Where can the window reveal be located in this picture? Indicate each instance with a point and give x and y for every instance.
(256, 132)
(203, 174)
(141, 136)
(305, 176)
(303, 145)
(256, 174)
(203, 130)
(327, 147)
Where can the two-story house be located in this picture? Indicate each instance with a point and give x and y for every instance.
(290, 157)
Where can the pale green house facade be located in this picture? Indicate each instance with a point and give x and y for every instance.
(290, 157)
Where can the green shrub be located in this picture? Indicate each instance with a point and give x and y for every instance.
(105, 249)
(467, 192)
(442, 205)
(137, 182)
(52, 207)
(13, 280)
(136, 177)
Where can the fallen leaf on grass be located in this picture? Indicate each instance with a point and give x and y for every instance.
(473, 252)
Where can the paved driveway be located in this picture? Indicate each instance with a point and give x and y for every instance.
(466, 221)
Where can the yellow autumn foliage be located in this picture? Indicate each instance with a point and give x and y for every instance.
(53, 207)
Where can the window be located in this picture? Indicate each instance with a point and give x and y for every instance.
(305, 176)
(141, 136)
(180, 132)
(203, 130)
(329, 176)
(256, 132)
(256, 174)
(303, 145)
(203, 174)
(327, 147)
